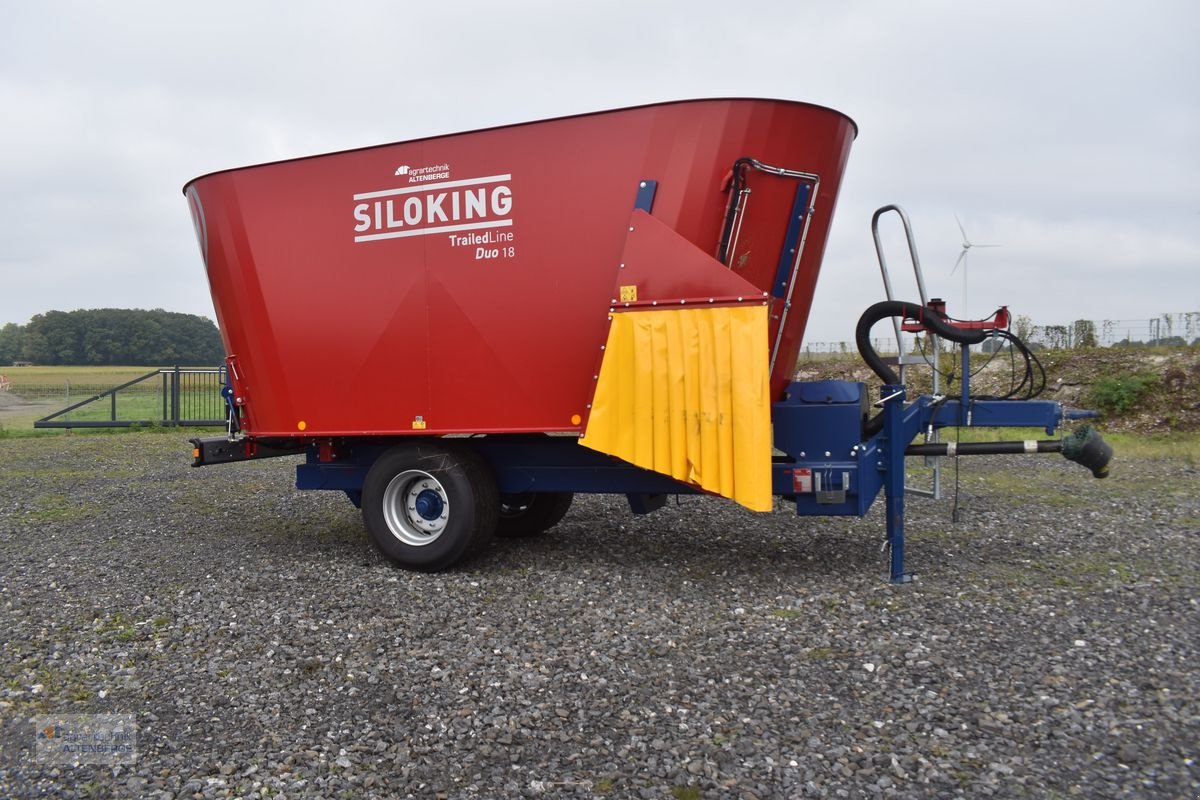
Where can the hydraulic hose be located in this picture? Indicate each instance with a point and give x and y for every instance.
(897, 308)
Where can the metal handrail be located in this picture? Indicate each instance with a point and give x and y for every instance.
(934, 347)
(912, 251)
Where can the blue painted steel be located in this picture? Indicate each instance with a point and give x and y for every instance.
(821, 420)
(1045, 414)
(896, 435)
(965, 396)
(429, 504)
(818, 426)
(645, 195)
(341, 477)
(519, 463)
(791, 241)
(559, 464)
(827, 392)
(227, 394)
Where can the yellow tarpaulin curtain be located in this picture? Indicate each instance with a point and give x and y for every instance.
(684, 392)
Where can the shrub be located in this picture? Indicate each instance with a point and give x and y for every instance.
(1117, 394)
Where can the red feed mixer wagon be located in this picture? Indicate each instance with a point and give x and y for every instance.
(461, 332)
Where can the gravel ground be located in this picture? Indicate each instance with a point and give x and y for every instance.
(1048, 648)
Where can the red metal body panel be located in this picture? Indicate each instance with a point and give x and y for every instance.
(461, 284)
(667, 269)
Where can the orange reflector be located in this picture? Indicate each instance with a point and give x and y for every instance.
(301, 425)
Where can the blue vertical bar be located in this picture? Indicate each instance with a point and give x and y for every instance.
(791, 241)
(645, 196)
(964, 414)
(893, 483)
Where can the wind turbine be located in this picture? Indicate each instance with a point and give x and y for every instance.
(967, 244)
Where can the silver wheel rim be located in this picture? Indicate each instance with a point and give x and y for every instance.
(415, 508)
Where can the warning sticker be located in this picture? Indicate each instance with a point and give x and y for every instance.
(801, 481)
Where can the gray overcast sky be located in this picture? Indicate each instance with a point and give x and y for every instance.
(1067, 131)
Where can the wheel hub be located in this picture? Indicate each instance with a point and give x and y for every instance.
(416, 508)
(429, 504)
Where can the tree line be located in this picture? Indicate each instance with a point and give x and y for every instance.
(113, 336)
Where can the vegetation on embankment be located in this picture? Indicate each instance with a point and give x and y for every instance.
(1152, 391)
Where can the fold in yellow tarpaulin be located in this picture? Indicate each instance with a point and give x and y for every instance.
(684, 392)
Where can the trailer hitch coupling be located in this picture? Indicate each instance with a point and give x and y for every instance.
(1085, 447)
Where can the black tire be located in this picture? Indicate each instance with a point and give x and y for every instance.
(531, 513)
(427, 505)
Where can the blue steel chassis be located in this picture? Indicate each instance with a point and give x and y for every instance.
(828, 466)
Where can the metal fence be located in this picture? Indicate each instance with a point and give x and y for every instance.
(174, 396)
(1168, 330)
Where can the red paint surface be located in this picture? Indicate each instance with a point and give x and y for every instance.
(365, 337)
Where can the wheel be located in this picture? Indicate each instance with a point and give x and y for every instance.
(427, 505)
(531, 513)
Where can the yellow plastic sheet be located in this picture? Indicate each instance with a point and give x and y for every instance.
(685, 392)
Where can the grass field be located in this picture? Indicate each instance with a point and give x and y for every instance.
(32, 393)
(92, 376)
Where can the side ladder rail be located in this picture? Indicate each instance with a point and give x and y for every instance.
(887, 281)
(934, 344)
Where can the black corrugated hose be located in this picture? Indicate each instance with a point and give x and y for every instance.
(931, 321)
(898, 308)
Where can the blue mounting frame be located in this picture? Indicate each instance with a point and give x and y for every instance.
(832, 471)
(791, 241)
(830, 468)
(644, 200)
